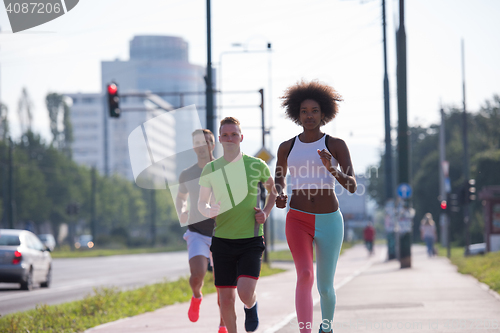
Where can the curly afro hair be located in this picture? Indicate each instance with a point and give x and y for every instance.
(323, 94)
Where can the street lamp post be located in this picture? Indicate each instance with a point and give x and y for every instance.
(209, 97)
(245, 50)
(261, 91)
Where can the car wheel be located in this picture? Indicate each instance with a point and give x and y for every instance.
(48, 280)
(28, 283)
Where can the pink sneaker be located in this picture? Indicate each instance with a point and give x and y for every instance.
(194, 309)
(222, 329)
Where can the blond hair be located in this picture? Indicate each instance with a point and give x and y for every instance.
(427, 220)
(229, 120)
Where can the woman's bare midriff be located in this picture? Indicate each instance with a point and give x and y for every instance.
(314, 201)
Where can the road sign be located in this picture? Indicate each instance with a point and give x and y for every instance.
(404, 191)
(447, 185)
(264, 155)
(446, 168)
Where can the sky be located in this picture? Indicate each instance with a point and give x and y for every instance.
(338, 42)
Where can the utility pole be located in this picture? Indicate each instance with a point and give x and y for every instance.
(466, 160)
(93, 221)
(403, 142)
(10, 186)
(208, 79)
(389, 185)
(261, 91)
(443, 181)
(261, 185)
(5, 173)
(106, 144)
(153, 217)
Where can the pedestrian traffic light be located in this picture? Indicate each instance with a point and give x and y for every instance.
(444, 205)
(113, 100)
(454, 203)
(471, 193)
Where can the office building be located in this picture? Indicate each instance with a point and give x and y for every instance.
(158, 64)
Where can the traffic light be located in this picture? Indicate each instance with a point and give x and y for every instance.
(454, 203)
(72, 209)
(471, 192)
(113, 100)
(444, 205)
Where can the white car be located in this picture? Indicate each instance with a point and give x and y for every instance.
(48, 240)
(24, 259)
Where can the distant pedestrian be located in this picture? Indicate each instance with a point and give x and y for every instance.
(238, 243)
(200, 229)
(369, 237)
(428, 233)
(312, 157)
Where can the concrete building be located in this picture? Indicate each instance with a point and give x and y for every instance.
(87, 120)
(160, 64)
(157, 64)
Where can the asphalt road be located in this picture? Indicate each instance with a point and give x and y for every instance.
(73, 279)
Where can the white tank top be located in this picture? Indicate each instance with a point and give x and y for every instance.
(307, 172)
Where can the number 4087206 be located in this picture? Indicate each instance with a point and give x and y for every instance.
(34, 8)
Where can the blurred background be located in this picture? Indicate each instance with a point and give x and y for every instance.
(67, 170)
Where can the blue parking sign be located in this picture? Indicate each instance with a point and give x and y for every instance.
(404, 191)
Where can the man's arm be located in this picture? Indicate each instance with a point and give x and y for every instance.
(181, 206)
(207, 210)
(262, 214)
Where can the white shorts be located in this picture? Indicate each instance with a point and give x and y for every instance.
(198, 244)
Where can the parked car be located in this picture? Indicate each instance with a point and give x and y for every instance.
(84, 241)
(479, 248)
(24, 259)
(48, 240)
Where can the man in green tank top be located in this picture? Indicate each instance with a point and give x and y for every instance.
(237, 244)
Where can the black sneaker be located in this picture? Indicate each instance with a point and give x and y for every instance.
(321, 329)
(251, 318)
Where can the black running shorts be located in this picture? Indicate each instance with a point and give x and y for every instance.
(235, 258)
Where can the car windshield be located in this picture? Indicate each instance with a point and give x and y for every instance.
(9, 240)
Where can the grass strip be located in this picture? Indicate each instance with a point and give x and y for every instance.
(485, 268)
(96, 252)
(99, 252)
(106, 305)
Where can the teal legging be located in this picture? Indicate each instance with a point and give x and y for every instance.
(327, 232)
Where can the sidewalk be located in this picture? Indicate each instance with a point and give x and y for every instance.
(372, 296)
(430, 297)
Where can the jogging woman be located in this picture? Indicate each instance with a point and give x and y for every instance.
(313, 158)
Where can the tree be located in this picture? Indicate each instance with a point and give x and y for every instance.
(488, 124)
(4, 122)
(24, 111)
(484, 143)
(67, 130)
(376, 186)
(46, 181)
(62, 131)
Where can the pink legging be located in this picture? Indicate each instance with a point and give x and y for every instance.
(327, 232)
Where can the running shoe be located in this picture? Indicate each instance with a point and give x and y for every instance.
(222, 329)
(321, 330)
(194, 309)
(251, 318)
